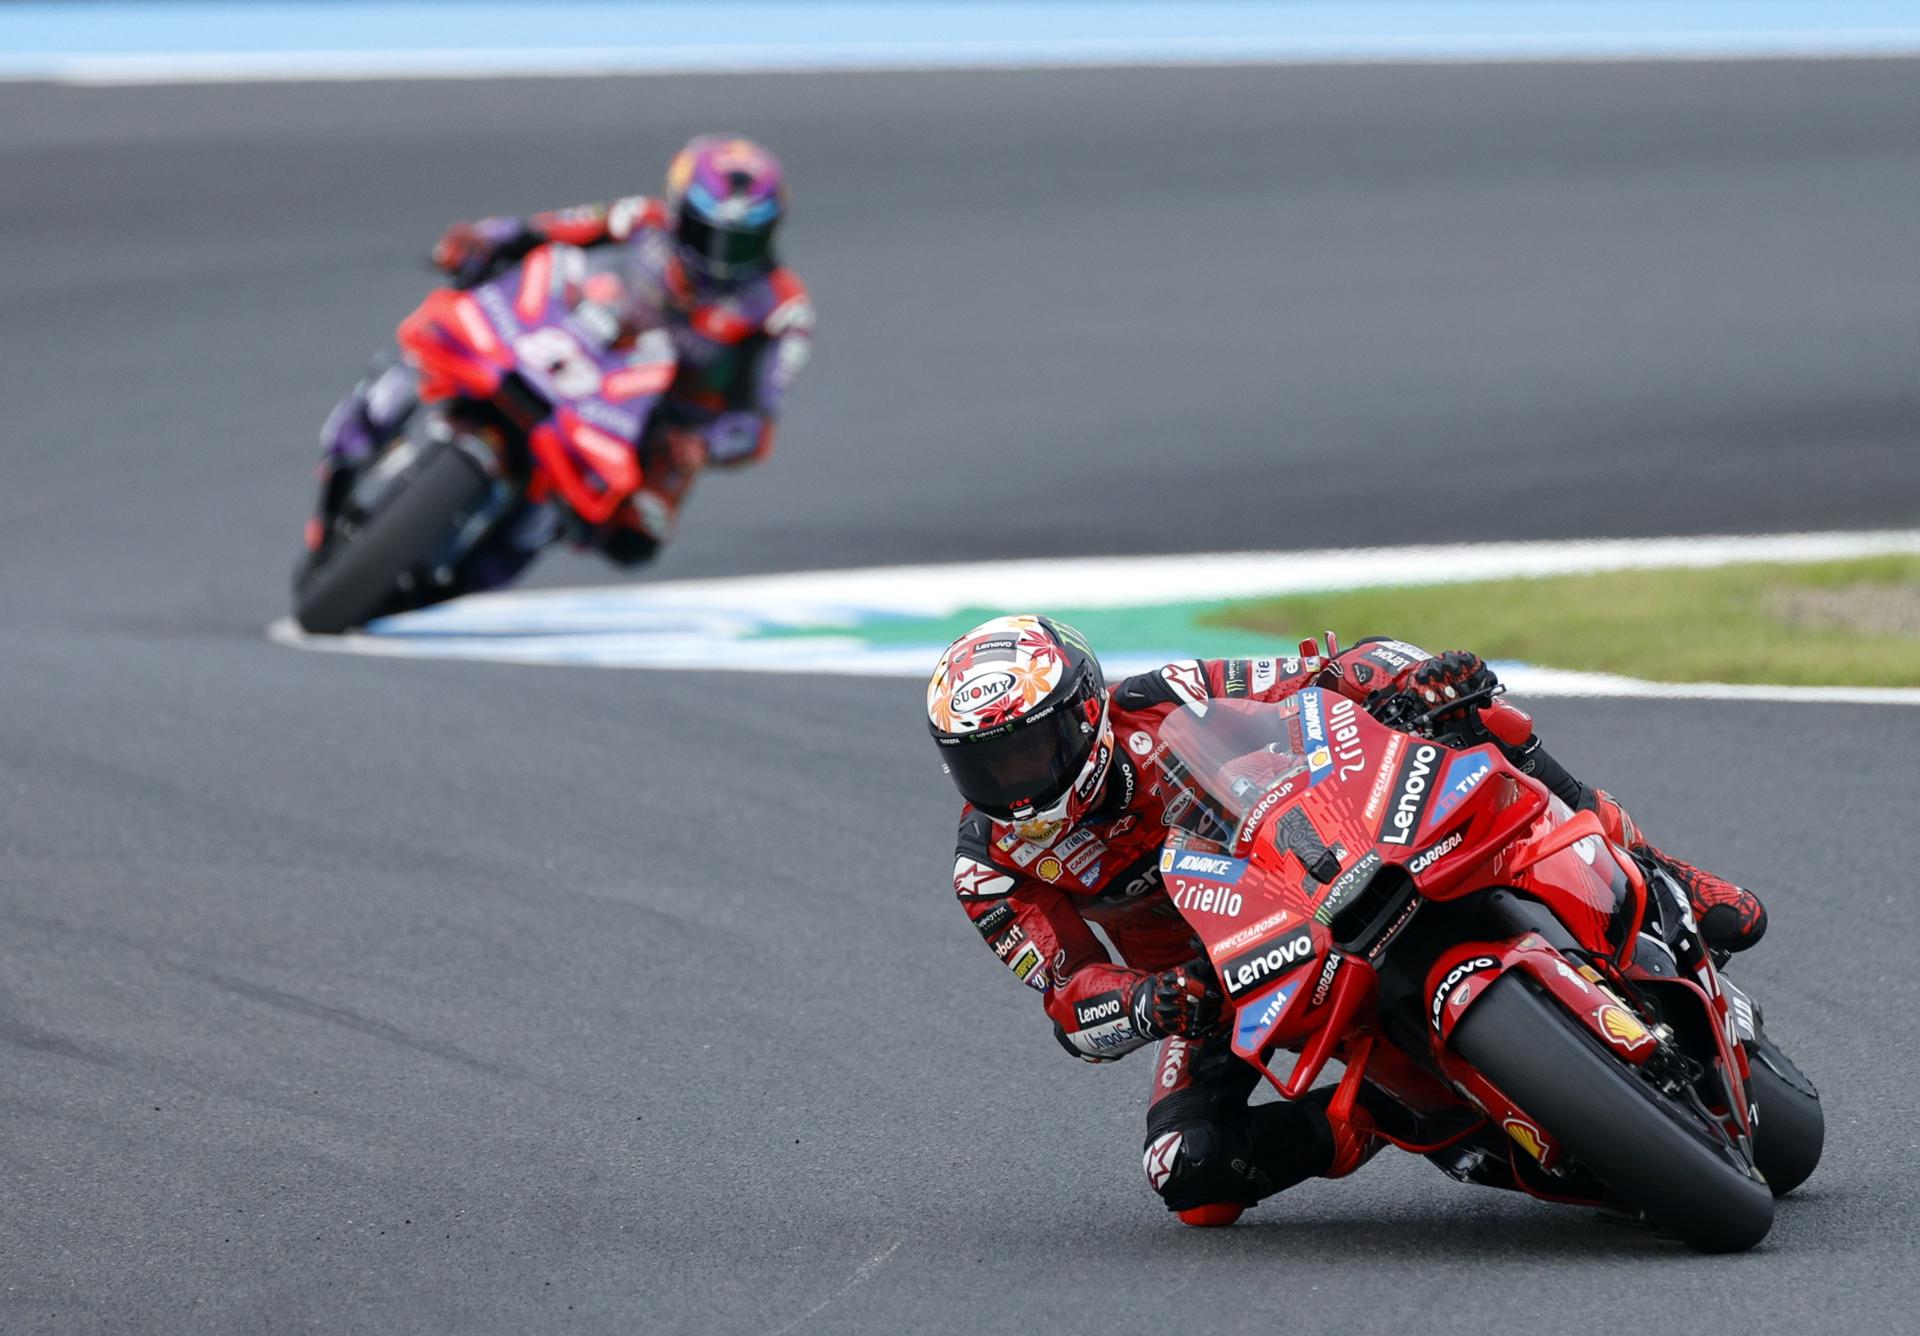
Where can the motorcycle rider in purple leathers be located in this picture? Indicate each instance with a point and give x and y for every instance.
(1066, 814)
(700, 262)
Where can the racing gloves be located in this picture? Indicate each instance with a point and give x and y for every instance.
(1180, 1001)
(1426, 686)
(468, 250)
(1458, 672)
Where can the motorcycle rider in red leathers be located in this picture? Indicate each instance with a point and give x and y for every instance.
(1062, 833)
(701, 263)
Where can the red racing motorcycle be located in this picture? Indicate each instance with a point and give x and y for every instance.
(530, 392)
(1531, 1007)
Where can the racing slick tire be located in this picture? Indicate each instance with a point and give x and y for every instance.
(1643, 1145)
(1791, 1130)
(360, 571)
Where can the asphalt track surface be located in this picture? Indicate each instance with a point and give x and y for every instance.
(349, 994)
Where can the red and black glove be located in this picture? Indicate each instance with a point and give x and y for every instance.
(1458, 672)
(1180, 1001)
(1427, 686)
(468, 250)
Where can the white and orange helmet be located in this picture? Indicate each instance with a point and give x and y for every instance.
(1018, 707)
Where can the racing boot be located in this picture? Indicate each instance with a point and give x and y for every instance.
(1731, 918)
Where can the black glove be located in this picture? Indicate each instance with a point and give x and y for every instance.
(1180, 1001)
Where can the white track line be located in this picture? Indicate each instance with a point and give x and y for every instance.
(735, 624)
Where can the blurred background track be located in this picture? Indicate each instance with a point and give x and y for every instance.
(403, 996)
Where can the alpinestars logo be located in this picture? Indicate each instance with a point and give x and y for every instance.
(1162, 1155)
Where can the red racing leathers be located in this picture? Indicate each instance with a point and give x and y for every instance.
(1037, 904)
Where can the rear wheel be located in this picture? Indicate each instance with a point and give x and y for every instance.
(359, 571)
(1642, 1144)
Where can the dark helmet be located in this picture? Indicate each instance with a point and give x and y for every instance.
(727, 196)
(1018, 706)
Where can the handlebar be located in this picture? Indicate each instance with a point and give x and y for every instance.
(1394, 711)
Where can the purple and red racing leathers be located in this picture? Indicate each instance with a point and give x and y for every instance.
(740, 346)
(1037, 905)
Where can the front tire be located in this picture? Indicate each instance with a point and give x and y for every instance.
(359, 572)
(1791, 1130)
(1611, 1123)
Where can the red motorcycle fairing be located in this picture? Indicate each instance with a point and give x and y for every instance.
(581, 402)
(1304, 887)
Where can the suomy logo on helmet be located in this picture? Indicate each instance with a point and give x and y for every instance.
(993, 674)
(976, 693)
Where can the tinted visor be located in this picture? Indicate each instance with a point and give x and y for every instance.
(725, 251)
(1029, 765)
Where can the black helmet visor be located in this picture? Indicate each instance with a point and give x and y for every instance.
(725, 251)
(1023, 765)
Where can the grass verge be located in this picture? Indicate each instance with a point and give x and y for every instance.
(1839, 623)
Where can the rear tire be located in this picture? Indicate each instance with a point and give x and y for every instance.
(1611, 1123)
(360, 573)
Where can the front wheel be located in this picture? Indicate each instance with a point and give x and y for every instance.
(1645, 1147)
(1790, 1131)
(359, 571)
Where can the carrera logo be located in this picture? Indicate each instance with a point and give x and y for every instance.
(1410, 795)
(1465, 969)
(1324, 983)
(1426, 858)
(1244, 973)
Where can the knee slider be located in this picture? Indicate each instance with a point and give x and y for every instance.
(1201, 1163)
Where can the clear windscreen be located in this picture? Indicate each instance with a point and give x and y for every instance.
(1226, 755)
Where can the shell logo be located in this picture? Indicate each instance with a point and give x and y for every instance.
(1049, 868)
(1527, 1137)
(1622, 1028)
